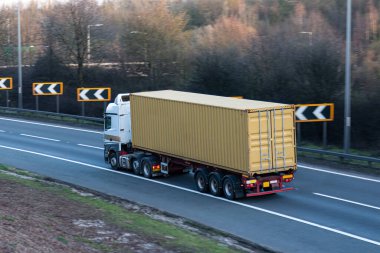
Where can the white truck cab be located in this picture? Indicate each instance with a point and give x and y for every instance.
(117, 120)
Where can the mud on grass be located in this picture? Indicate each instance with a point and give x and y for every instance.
(38, 215)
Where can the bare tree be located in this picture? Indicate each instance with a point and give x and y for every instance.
(220, 57)
(7, 28)
(70, 24)
(155, 35)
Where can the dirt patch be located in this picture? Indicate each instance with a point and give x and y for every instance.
(38, 219)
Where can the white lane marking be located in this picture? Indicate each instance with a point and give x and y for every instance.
(39, 137)
(97, 132)
(88, 146)
(48, 125)
(2, 131)
(346, 200)
(340, 174)
(207, 195)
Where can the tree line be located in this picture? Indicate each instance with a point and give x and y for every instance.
(273, 50)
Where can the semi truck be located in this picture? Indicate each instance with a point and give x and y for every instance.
(233, 147)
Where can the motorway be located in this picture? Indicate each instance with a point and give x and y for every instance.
(331, 211)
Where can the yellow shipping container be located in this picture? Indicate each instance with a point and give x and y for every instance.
(239, 135)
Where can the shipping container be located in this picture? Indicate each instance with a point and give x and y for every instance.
(239, 135)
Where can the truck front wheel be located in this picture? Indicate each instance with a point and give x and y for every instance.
(113, 161)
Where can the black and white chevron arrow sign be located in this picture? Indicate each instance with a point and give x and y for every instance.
(6, 83)
(46, 89)
(93, 94)
(314, 112)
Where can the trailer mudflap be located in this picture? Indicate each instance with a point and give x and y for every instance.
(269, 192)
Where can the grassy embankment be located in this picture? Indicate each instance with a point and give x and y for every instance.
(166, 235)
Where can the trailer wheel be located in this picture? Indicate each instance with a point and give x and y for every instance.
(229, 188)
(215, 184)
(201, 181)
(113, 161)
(136, 167)
(147, 169)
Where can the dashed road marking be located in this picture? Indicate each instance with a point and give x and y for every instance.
(39, 137)
(313, 224)
(346, 200)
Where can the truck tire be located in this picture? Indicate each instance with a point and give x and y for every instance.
(229, 188)
(147, 169)
(136, 167)
(201, 181)
(113, 161)
(215, 184)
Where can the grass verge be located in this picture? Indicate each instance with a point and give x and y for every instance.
(156, 235)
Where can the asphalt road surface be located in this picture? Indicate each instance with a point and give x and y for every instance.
(331, 211)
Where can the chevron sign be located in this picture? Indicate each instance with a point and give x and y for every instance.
(93, 94)
(314, 112)
(6, 83)
(47, 89)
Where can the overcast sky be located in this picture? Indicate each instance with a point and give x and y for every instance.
(14, 2)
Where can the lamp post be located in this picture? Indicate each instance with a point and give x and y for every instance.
(310, 37)
(299, 123)
(89, 40)
(19, 57)
(89, 52)
(347, 87)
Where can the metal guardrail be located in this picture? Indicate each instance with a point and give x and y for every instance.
(11, 110)
(342, 156)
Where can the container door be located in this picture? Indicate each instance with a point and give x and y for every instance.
(283, 142)
(260, 141)
(271, 140)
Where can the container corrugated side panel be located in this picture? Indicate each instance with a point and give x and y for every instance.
(272, 140)
(207, 134)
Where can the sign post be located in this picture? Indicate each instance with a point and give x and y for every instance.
(6, 83)
(98, 94)
(47, 89)
(314, 113)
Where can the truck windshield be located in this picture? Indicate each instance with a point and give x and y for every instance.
(125, 98)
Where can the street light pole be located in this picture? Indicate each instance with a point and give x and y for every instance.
(347, 89)
(89, 52)
(19, 58)
(89, 40)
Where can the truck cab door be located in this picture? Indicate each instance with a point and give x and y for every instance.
(125, 122)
